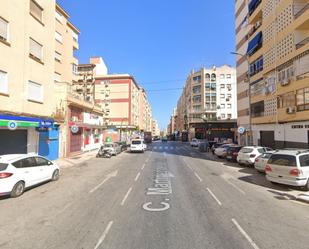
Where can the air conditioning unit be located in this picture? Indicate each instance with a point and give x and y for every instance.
(285, 82)
(227, 99)
(258, 24)
(291, 110)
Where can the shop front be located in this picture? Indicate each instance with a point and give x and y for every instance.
(20, 135)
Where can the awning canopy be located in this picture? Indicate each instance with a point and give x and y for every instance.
(253, 5)
(255, 43)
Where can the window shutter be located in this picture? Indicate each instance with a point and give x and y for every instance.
(3, 29)
(36, 49)
(36, 10)
(3, 82)
(35, 91)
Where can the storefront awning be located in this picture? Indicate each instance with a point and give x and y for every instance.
(19, 121)
(254, 43)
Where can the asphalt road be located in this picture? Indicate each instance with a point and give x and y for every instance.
(171, 196)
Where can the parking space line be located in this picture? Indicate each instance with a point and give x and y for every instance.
(126, 196)
(236, 187)
(143, 166)
(102, 238)
(197, 176)
(215, 197)
(137, 176)
(243, 232)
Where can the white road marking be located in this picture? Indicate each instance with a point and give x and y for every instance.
(113, 174)
(166, 147)
(102, 238)
(137, 176)
(126, 196)
(147, 207)
(243, 232)
(143, 166)
(164, 154)
(213, 195)
(160, 147)
(236, 187)
(172, 148)
(155, 147)
(198, 177)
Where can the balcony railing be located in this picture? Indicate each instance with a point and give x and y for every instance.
(300, 9)
(302, 43)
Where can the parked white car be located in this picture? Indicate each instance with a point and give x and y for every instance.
(138, 145)
(194, 142)
(261, 161)
(21, 171)
(248, 154)
(289, 167)
(221, 151)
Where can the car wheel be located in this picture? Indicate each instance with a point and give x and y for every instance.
(18, 189)
(55, 176)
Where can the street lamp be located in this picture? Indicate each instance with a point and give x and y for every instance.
(248, 141)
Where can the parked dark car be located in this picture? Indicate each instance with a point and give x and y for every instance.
(232, 153)
(123, 145)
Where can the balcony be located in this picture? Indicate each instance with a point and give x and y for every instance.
(253, 6)
(302, 43)
(299, 9)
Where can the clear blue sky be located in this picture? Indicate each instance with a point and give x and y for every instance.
(158, 42)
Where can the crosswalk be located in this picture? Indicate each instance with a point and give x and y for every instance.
(169, 148)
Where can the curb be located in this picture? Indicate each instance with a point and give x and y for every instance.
(303, 198)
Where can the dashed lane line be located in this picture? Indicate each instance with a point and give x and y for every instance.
(126, 196)
(243, 232)
(137, 176)
(198, 177)
(103, 236)
(215, 197)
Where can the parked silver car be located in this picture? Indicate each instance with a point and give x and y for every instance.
(261, 161)
(114, 148)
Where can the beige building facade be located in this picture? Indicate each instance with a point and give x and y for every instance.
(26, 73)
(278, 51)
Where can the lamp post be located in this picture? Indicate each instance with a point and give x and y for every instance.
(248, 141)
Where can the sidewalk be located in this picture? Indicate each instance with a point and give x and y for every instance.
(75, 160)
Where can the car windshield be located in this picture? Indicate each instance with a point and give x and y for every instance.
(108, 145)
(136, 142)
(3, 166)
(282, 160)
(246, 150)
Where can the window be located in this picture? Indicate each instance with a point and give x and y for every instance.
(257, 109)
(197, 107)
(302, 99)
(213, 106)
(4, 30)
(228, 76)
(287, 100)
(3, 82)
(222, 76)
(36, 49)
(213, 86)
(222, 86)
(75, 36)
(25, 163)
(196, 89)
(222, 96)
(229, 106)
(59, 17)
(36, 10)
(256, 66)
(58, 37)
(304, 160)
(229, 87)
(75, 69)
(213, 77)
(35, 91)
(222, 106)
(229, 95)
(57, 56)
(41, 161)
(283, 160)
(229, 115)
(57, 77)
(207, 86)
(207, 77)
(197, 98)
(222, 115)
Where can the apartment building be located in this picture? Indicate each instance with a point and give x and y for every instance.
(145, 113)
(278, 52)
(155, 128)
(243, 106)
(27, 66)
(208, 96)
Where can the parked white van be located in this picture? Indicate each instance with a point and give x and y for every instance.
(138, 145)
